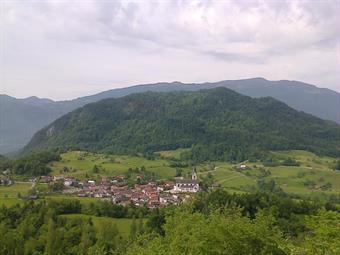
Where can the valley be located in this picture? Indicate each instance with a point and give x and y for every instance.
(111, 173)
(169, 127)
(315, 176)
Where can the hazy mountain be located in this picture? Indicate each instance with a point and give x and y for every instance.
(219, 123)
(323, 103)
(19, 123)
(21, 118)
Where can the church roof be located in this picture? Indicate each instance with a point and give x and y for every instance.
(187, 181)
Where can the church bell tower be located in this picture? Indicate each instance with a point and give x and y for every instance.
(194, 174)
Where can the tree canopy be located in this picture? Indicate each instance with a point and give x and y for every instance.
(216, 124)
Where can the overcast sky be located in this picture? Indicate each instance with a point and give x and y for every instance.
(67, 49)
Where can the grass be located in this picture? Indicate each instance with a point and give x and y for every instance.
(9, 194)
(81, 164)
(312, 168)
(290, 178)
(83, 200)
(123, 225)
(176, 154)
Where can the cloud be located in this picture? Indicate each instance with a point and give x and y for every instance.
(65, 49)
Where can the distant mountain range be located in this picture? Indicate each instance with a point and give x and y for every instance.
(21, 118)
(218, 124)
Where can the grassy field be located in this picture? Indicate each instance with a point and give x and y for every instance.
(82, 163)
(176, 154)
(9, 194)
(313, 170)
(83, 200)
(123, 225)
(292, 179)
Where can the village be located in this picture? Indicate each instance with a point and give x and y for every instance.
(151, 194)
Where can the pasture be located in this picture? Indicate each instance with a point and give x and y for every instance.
(123, 224)
(313, 176)
(80, 164)
(9, 194)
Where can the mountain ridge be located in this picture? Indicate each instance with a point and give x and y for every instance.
(218, 123)
(321, 102)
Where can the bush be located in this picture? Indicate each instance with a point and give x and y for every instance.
(290, 162)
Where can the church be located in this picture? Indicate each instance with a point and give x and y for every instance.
(190, 185)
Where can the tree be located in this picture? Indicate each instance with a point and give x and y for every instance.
(290, 162)
(179, 172)
(50, 238)
(108, 238)
(87, 237)
(216, 124)
(337, 165)
(156, 221)
(56, 186)
(133, 229)
(95, 169)
(323, 235)
(140, 224)
(66, 169)
(215, 233)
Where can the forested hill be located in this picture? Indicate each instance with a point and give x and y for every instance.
(21, 118)
(217, 124)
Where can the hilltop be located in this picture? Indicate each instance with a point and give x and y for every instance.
(218, 124)
(21, 118)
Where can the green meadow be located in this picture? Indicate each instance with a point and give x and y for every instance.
(9, 194)
(309, 178)
(292, 179)
(81, 164)
(123, 225)
(313, 169)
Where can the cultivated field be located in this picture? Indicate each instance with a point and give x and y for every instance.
(313, 177)
(310, 177)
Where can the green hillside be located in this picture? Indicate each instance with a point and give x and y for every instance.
(308, 178)
(123, 225)
(80, 164)
(218, 124)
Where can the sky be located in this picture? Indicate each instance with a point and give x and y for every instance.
(67, 49)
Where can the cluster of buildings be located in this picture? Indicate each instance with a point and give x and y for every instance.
(152, 194)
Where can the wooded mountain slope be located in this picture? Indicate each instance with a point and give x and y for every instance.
(21, 118)
(218, 123)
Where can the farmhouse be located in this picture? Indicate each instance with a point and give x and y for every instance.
(183, 185)
(241, 167)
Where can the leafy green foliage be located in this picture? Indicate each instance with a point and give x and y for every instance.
(57, 186)
(216, 233)
(5, 163)
(337, 165)
(290, 162)
(322, 235)
(34, 164)
(213, 223)
(218, 124)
